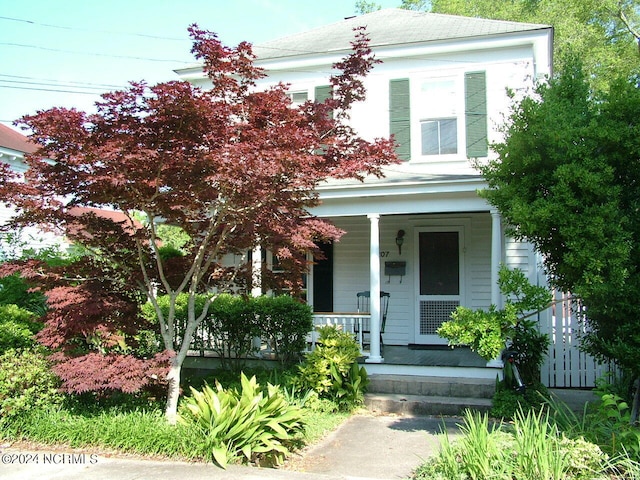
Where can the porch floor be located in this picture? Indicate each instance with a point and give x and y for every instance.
(431, 356)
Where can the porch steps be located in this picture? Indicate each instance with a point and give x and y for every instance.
(424, 395)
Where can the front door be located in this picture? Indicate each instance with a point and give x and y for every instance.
(323, 280)
(439, 281)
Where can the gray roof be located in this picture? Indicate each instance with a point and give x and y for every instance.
(388, 27)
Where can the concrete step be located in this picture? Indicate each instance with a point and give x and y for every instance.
(430, 386)
(416, 405)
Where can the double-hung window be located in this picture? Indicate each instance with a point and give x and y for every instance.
(432, 117)
(438, 110)
(298, 98)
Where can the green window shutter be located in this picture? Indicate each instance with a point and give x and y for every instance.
(400, 116)
(475, 90)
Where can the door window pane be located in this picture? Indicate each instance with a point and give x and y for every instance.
(439, 263)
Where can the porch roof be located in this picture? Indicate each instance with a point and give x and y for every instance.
(402, 193)
(398, 179)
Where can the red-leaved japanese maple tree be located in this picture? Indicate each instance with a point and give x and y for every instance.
(234, 166)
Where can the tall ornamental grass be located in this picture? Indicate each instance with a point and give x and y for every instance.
(531, 448)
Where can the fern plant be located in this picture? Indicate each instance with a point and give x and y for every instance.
(251, 424)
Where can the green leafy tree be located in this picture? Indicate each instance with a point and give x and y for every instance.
(362, 7)
(415, 4)
(566, 179)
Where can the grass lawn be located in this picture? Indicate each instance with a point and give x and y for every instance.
(141, 431)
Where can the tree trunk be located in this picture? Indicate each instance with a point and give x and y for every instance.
(171, 411)
(636, 402)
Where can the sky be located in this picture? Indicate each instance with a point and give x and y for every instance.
(65, 53)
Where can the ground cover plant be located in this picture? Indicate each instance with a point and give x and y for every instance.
(606, 423)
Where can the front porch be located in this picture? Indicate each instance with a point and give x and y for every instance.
(421, 360)
(432, 356)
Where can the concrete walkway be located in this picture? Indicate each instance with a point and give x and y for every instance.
(381, 447)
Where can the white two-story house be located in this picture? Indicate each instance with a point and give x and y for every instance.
(422, 233)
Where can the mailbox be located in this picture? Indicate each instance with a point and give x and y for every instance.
(395, 269)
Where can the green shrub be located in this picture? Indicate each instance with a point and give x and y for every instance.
(180, 312)
(506, 401)
(17, 327)
(609, 426)
(181, 316)
(252, 424)
(285, 323)
(531, 347)
(331, 370)
(169, 251)
(233, 322)
(14, 290)
(26, 383)
(487, 332)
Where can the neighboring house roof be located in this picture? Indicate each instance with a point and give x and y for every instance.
(113, 215)
(387, 28)
(12, 140)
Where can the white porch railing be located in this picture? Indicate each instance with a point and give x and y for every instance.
(347, 322)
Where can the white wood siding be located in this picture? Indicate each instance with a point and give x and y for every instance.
(30, 237)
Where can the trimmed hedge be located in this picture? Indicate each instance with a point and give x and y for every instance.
(233, 322)
(285, 322)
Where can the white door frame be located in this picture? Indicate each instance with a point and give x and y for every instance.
(436, 303)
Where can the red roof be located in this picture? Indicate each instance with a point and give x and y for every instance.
(9, 138)
(114, 216)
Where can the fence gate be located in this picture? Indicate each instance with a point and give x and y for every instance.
(565, 365)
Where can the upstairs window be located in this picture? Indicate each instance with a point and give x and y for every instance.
(439, 136)
(298, 98)
(448, 115)
(438, 110)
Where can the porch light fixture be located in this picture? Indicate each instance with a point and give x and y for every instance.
(400, 240)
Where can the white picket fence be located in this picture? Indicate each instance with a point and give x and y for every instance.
(565, 365)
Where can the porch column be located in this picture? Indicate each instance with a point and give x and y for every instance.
(496, 258)
(256, 272)
(374, 288)
(256, 285)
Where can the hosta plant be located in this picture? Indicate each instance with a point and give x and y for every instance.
(252, 424)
